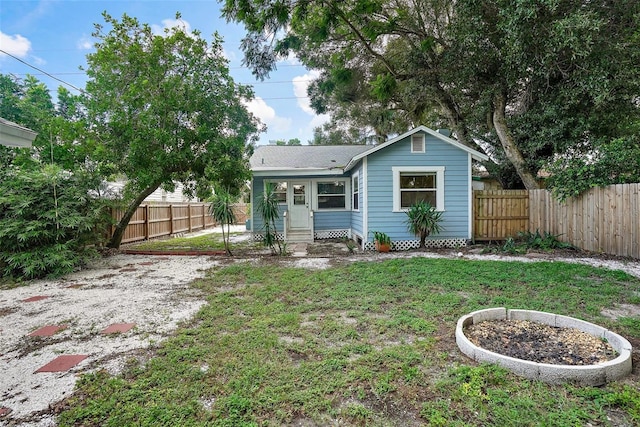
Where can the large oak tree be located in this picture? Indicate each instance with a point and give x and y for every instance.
(528, 81)
(165, 109)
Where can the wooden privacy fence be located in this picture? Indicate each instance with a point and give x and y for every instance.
(499, 214)
(604, 219)
(156, 220)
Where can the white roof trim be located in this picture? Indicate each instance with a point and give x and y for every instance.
(475, 154)
(298, 171)
(14, 135)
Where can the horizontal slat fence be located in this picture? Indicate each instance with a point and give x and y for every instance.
(158, 220)
(499, 214)
(604, 219)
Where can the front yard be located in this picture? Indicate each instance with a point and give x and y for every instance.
(368, 343)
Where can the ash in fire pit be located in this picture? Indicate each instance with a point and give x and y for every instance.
(540, 343)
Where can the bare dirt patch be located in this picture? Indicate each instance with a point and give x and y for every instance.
(537, 342)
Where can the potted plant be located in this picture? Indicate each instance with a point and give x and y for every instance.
(382, 241)
(423, 220)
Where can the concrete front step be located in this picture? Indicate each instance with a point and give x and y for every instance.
(299, 237)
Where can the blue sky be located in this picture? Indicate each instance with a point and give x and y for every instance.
(55, 36)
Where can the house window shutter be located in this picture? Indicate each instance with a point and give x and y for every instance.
(417, 143)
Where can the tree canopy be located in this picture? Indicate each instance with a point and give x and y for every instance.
(528, 82)
(165, 109)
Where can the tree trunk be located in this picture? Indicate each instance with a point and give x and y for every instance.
(454, 117)
(116, 238)
(508, 143)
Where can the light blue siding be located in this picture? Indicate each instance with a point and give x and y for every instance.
(258, 224)
(334, 220)
(456, 190)
(322, 220)
(378, 213)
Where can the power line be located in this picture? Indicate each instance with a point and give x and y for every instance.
(82, 90)
(43, 72)
(242, 83)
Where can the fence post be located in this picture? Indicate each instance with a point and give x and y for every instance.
(189, 216)
(112, 228)
(170, 220)
(146, 222)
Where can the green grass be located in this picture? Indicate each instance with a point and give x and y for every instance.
(205, 242)
(363, 344)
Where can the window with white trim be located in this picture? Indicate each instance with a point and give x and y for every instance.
(355, 191)
(417, 143)
(412, 184)
(280, 191)
(331, 195)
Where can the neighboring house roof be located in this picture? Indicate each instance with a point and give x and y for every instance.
(304, 158)
(14, 135)
(329, 159)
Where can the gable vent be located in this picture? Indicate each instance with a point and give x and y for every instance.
(417, 143)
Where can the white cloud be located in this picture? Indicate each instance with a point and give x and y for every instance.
(15, 45)
(229, 55)
(268, 115)
(171, 23)
(292, 59)
(319, 120)
(300, 85)
(84, 43)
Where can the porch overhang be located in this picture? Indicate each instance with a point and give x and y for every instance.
(296, 172)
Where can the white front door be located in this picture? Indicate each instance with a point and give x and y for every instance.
(299, 206)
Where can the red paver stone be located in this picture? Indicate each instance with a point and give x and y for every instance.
(118, 327)
(4, 411)
(62, 363)
(47, 331)
(36, 298)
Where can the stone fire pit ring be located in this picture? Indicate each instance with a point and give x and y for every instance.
(587, 375)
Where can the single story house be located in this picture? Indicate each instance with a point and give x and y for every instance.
(14, 135)
(349, 191)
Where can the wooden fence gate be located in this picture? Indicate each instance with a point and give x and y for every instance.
(499, 214)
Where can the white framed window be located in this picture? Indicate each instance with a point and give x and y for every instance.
(355, 194)
(331, 195)
(415, 183)
(280, 190)
(417, 143)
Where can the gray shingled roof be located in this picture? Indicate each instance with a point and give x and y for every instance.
(274, 157)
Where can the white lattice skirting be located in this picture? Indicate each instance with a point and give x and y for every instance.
(332, 234)
(258, 237)
(405, 245)
(398, 245)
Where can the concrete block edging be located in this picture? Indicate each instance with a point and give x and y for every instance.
(586, 375)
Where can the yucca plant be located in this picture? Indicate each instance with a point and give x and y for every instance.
(221, 209)
(423, 220)
(267, 206)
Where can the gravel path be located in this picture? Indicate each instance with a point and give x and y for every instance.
(152, 292)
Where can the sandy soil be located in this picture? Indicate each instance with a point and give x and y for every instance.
(154, 293)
